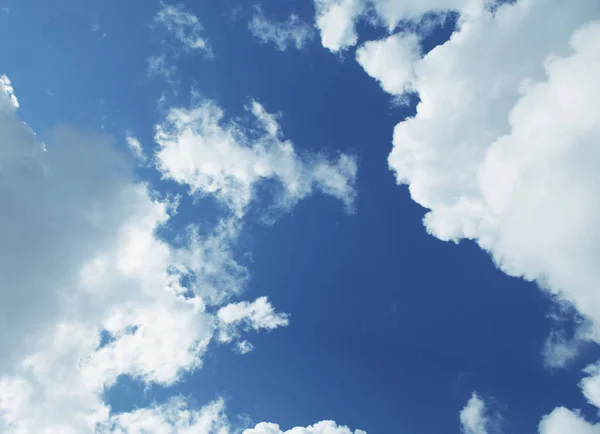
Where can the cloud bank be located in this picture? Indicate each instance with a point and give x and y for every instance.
(91, 292)
(503, 148)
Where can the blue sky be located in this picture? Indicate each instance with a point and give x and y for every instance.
(412, 187)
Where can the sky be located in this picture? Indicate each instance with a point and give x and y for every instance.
(300, 217)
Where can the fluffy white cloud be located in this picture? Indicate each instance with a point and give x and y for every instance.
(494, 150)
(170, 418)
(563, 420)
(90, 292)
(215, 158)
(185, 27)
(473, 417)
(503, 149)
(504, 137)
(176, 417)
(391, 61)
(324, 427)
(292, 32)
(244, 315)
(336, 20)
(8, 100)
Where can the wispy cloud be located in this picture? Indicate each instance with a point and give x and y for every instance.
(292, 32)
(185, 27)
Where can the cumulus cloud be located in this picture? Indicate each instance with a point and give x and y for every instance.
(500, 142)
(91, 292)
(7, 96)
(324, 427)
(503, 148)
(292, 32)
(391, 61)
(473, 417)
(173, 417)
(200, 150)
(177, 416)
(185, 27)
(497, 152)
(336, 20)
(562, 420)
(244, 315)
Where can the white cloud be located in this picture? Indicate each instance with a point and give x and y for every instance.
(503, 148)
(172, 417)
(391, 61)
(244, 347)
(559, 350)
(504, 137)
(292, 32)
(198, 149)
(81, 258)
(336, 19)
(495, 149)
(562, 420)
(8, 100)
(176, 416)
(324, 427)
(258, 315)
(185, 27)
(136, 148)
(473, 417)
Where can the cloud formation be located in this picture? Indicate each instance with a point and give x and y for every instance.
(473, 417)
(185, 27)
(324, 427)
(213, 157)
(336, 20)
(503, 148)
(292, 32)
(91, 292)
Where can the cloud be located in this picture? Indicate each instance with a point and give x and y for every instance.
(8, 100)
(503, 148)
(177, 416)
(244, 347)
(499, 143)
(91, 292)
(212, 157)
(336, 20)
(473, 417)
(258, 315)
(173, 417)
(136, 148)
(562, 420)
(391, 61)
(185, 27)
(324, 427)
(559, 350)
(487, 154)
(292, 32)
(158, 66)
